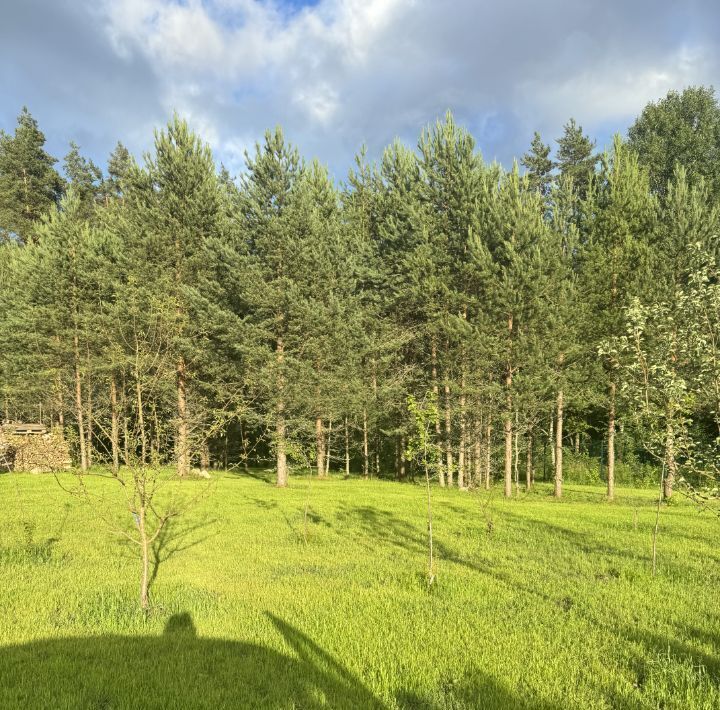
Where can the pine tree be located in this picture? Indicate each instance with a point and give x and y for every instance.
(29, 185)
(575, 157)
(119, 163)
(271, 242)
(172, 215)
(84, 177)
(616, 264)
(539, 165)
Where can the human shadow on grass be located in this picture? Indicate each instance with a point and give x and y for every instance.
(177, 670)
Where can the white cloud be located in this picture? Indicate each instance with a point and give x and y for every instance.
(340, 73)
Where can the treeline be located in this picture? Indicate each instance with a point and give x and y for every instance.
(162, 311)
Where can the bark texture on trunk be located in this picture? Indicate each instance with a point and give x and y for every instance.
(183, 434)
(516, 454)
(529, 461)
(280, 425)
(320, 447)
(89, 420)
(463, 437)
(79, 413)
(448, 437)
(114, 427)
(670, 462)
(327, 450)
(436, 392)
(366, 456)
(611, 445)
(508, 423)
(488, 455)
(205, 456)
(508, 429)
(347, 449)
(558, 446)
(141, 422)
(145, 549)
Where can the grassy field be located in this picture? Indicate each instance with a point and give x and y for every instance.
(538, 603)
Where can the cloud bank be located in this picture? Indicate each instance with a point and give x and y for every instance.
(340, 73)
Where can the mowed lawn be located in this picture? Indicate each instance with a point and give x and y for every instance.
(316, 596)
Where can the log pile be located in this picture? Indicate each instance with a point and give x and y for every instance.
(31, 448)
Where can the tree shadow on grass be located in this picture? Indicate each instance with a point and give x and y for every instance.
(385, 527)
(259, 474)
(177, 670)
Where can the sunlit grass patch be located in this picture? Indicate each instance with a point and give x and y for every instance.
(316, 596)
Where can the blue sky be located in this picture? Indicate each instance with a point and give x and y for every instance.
(340, 73)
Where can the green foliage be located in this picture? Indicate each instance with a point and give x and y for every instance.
(84, 177)
(29, 185)
(681, 129)
(539, 165)
(422, 445)
(576, 159)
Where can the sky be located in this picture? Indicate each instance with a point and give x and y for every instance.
(337, 74)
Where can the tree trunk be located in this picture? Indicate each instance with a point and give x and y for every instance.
(123, 409)
(347, 449)
(327, 451)
(529, 461)
(366, 456)
(558, 446)
(516, 465)
(114, 427)
(60, 399)
(280, 426)
(577, 442)
(156, 426)
(183, 435)
(376, 438)
(508, 428)
(141, 422)
(448, 436)
(488, 455)
(280, 445)
(463, 443)
(477, 468)
(436, 392)
(671, 463)
(402, 457)
(244, 444)
(89, 421)
(205, 456)
(145, 549)
(611, 445)
(320, 447)
(79, 407)
(508, 424)
(551, 438)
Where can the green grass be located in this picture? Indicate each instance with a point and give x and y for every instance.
(538, 603)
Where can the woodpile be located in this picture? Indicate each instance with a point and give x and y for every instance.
(32, 448)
